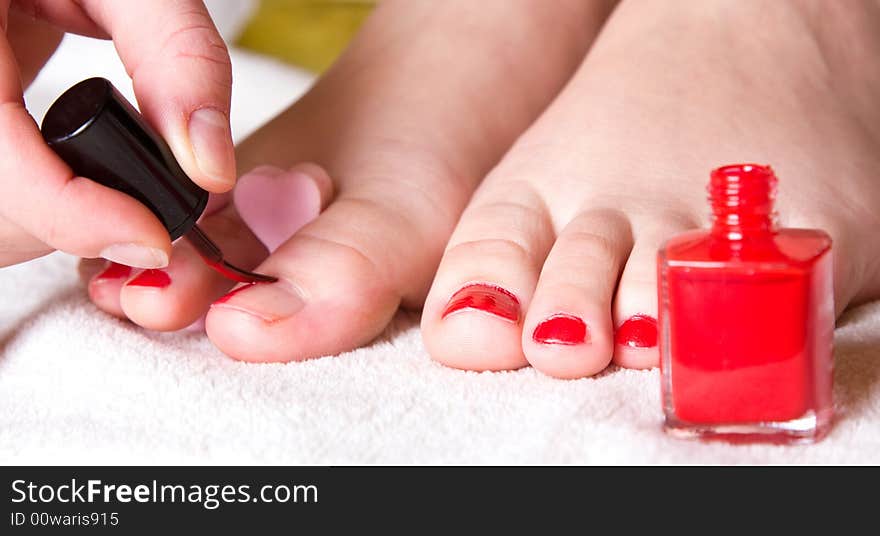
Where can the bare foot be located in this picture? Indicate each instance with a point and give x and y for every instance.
(406, 124)
(554, 261)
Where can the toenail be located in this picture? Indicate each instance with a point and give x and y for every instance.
(562, 329)
(151, 278)
(485, 297)
(114, 271)
(228, 296)
(269, 302)
(639, 331)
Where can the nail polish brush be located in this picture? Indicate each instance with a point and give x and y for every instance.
(101, 136)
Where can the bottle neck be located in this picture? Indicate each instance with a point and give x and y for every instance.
(742, 197)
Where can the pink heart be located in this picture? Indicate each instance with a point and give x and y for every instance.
(276, 203)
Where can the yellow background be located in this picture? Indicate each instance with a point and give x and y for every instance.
(306, 33)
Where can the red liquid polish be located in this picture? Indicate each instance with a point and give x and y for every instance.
(100, 135)
(561, 329)
(151, 278)
(747, 320)
(228, 296)
(485, 297)
(639, 331)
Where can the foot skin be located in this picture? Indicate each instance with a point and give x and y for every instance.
(553, 263)
(399, 133)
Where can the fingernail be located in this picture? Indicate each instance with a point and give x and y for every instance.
(639, 331)
(211, 141)
(485, 297)
(561, 329)
(114, 271)
(151, 278)
(135, 255)
(269, 302)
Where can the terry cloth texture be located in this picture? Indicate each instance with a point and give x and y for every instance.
(80, 387)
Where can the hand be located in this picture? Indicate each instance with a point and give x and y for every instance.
(182, 79)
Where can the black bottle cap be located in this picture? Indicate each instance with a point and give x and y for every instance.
(101, 136)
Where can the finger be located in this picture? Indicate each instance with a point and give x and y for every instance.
(40, 194)
(176, 296)
(16, 245)
(182, 78)
(182, 293)
(33, 42)
(68, 16)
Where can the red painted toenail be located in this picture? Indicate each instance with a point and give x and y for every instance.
(639, 331)
(151, 278)
(485, 297)
(561, 329)
(226, 297)
(115, 271)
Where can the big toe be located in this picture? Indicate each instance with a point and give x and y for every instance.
(474, 313)
(339, 285)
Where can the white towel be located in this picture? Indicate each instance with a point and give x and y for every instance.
(80, 387)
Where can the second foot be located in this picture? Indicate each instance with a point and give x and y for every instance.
(553, 263)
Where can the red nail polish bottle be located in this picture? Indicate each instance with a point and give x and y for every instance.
(747, 320)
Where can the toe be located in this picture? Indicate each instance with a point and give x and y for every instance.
(474, 313)
(339, 285)
(178, 295)
(104, 280)
(568, 328)
(635, 305)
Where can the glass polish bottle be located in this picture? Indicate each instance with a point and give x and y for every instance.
(747, 320)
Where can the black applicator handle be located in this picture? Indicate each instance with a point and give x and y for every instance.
(101, 136)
